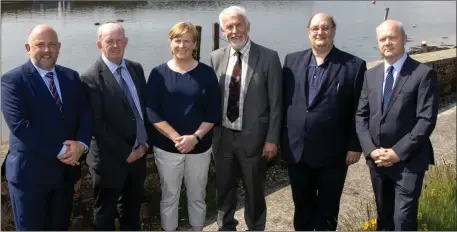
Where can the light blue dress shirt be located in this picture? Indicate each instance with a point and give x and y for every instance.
(397, 68)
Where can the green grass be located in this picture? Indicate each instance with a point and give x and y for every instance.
(437, 205)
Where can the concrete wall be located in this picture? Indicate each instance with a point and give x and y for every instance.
(444, 62)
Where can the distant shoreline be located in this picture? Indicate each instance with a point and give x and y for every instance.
(423, 49)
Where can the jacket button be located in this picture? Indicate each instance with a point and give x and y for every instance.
(307, 110)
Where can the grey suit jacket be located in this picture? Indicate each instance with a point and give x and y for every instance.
(114, 126)
(262, 111)
(408, 120)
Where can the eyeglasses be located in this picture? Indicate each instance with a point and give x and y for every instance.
(316, 29)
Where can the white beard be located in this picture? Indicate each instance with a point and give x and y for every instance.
(238, 44)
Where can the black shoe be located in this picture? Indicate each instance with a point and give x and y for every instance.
(220, 229)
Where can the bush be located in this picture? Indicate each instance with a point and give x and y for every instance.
(437, 205)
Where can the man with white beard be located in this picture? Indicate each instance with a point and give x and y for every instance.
(251, 89)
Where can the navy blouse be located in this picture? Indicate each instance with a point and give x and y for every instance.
(184, 101)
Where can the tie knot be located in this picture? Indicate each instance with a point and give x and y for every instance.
(390, 69)
(238, 53)
(49, 75)
(119, 70)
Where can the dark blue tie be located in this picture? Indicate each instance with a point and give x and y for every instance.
(388, 86)
(141, 134)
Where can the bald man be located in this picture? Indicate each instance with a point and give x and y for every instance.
(45, 108)
(397, 113)
(322, 87)
(116, 159)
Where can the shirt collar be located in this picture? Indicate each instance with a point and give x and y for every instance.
(43, 72)
(112, 66)
(244, 50)
(397, 65)
(313, 63)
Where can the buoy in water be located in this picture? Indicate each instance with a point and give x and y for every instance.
(414, 25)
(374, 1)
(96, 24)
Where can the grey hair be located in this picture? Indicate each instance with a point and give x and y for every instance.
(398, 23)
(402, 29)
(108, 24)
(233, 11)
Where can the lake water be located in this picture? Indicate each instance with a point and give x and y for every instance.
(279, 25)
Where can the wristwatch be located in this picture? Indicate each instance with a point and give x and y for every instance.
(86, 148)
(198, 138)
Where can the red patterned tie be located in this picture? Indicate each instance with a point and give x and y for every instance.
(52, 87)
(233, 104)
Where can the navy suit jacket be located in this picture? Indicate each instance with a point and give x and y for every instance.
(408, 120)
(323, 131)
(37, 126)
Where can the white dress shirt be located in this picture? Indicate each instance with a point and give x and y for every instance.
(238, 123)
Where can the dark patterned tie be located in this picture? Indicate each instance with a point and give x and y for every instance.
(233, 104)
(388, 87)
(53, 89)
(141, 134)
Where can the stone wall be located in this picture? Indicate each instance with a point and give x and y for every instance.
(447, 79)
(444, 62)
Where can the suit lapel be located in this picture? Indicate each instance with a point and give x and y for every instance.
(222, 71)
(252, 62)
(402, 77)
(111, 82)
(379, 79)
(39, 85)
(304, 66)
(64, 88)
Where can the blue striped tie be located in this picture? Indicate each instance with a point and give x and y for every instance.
(53, 89)
(388, 87)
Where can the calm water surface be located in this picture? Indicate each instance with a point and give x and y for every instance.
(279, 25)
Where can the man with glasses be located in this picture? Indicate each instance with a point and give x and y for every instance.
(322, 86)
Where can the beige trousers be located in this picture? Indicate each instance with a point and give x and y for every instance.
(172, 167)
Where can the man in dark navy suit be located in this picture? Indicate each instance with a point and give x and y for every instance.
(397, 113)
(44, 106)
(321, 90)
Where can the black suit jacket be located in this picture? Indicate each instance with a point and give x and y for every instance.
(323, 131)
(114, 122)
(408, 120)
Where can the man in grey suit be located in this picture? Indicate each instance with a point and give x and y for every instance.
(116, 160)
(397, 113)
(250, 81)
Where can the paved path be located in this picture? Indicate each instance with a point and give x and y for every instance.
(357, 190)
